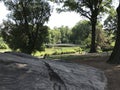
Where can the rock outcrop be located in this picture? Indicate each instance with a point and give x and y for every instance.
(20, 71)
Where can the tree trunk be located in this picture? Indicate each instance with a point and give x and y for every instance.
(93, 38)
(115, 56)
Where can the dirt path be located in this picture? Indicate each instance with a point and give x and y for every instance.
(112, 72)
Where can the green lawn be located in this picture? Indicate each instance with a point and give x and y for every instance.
(58, 51)
(79, 56)
(53, 51)
(5, 50)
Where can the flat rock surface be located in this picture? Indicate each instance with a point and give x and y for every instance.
(20, 71)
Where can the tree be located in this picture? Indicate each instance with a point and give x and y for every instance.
(90, 9)
(115, 56)
(65, 34)
(3, 45)
(25, 28)
(54, 36)
(102, 40)
(59, 35)
(110, 24)
(80, 32)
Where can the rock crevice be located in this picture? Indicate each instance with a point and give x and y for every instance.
(58, 83)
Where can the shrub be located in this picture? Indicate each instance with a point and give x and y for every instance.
(78, 50)
(3, 46)
(57, 52)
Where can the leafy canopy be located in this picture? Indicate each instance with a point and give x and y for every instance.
(87, 7)
(92, 10)
(24, 29)
(80, 32)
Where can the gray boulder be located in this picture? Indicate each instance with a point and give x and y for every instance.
(20, 71)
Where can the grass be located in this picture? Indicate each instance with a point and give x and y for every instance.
(68, 57)
(5, 50)
(58, 51)
(53, 50)
(78, 56)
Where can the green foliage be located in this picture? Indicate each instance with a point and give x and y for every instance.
(25, 30)
(78, 57)
(63, 51)
(115, 56)
(87, 42)
(110, 24)
(103, 39)
(80, 32)
(65, 34)
(54, 36)
(59, 51)
(91, 9)
(79, 50)
(59, 35)
(100, 36)
(60, 45)
(3, 45)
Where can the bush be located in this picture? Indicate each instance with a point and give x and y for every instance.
(64, 51)
(3, 46)
(78, 50)
(106, 49)
(57, 52)
(69, 51)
